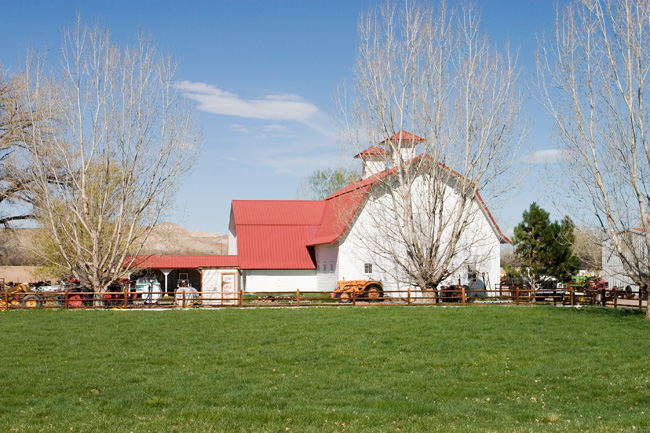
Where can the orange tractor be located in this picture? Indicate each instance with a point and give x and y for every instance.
(371, 291)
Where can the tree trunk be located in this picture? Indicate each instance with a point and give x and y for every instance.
(98, 298)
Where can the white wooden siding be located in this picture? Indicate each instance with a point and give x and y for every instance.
(232, 236)
(328, 266)
(279, 280)
(213, 289)
(479, 248)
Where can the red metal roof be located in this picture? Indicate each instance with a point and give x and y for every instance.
(278, 212)
(341, 208)
(182, 262)
(404, 137)
(274, 247)
(372, 151)
(273, 234)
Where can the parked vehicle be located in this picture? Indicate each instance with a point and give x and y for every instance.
(185, 295)
(149, 289)
(549, 290)
(372, 291)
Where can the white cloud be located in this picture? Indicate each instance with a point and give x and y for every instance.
(275, 128)
(264, 131)
(271, 107)
(237, 127)
(545, 156)
(298, 165)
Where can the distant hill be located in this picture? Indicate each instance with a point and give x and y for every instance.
(166, 238)
(170, 238)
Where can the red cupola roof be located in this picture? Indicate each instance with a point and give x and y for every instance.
(372, 151)
(405, 137)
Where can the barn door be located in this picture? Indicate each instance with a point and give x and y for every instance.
(229, 289)
(219, 288)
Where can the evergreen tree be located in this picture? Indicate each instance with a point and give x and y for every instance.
(563, 264)
(543, 248)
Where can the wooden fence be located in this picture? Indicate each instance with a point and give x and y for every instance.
(507, 295)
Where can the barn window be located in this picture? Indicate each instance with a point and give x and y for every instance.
(368, 268)
(331, 267)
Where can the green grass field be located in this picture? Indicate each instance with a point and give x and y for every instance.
(387, 369)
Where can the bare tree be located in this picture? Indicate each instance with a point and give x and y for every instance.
(439, 106)
(119, 138)
(588, 248)
(592, 80)
(16, 119)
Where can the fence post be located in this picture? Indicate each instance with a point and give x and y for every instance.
(183, 299)
(6, 299)
(517, 295)
(615, 295)
(241, 297)
(409, 296)
(66, 298)
(297, 297)
(640, 299)
(126, 297)
(462, 294)
(572, 296)
(602, 296)
(354, 298)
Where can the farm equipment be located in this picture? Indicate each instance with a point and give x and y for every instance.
(149, 289)
(550, 289)
(346, 291)
(19, 295)
(453, 293)
(27, 295)
(117, 292)
(185, 295)
(591, 289)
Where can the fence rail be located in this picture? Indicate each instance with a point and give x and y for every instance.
(509, 295)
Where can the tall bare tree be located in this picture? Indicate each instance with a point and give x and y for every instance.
(431, 72)
(119, 138)
(16, 120)
(593, 81)
(587, 246)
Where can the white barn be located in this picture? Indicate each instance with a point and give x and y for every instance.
(286, 245)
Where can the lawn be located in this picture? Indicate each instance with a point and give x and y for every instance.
(377, 369)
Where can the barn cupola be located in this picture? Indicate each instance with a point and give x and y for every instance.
(374, 160)
(402, 147)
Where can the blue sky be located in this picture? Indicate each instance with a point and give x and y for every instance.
(263, 75)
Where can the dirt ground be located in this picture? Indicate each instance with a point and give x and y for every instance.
(19, 274)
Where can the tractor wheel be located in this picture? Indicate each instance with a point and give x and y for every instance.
(374, 293)
(76, 300)
(344, 297)
(31, 301)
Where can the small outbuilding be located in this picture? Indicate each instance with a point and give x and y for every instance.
(215, 277)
